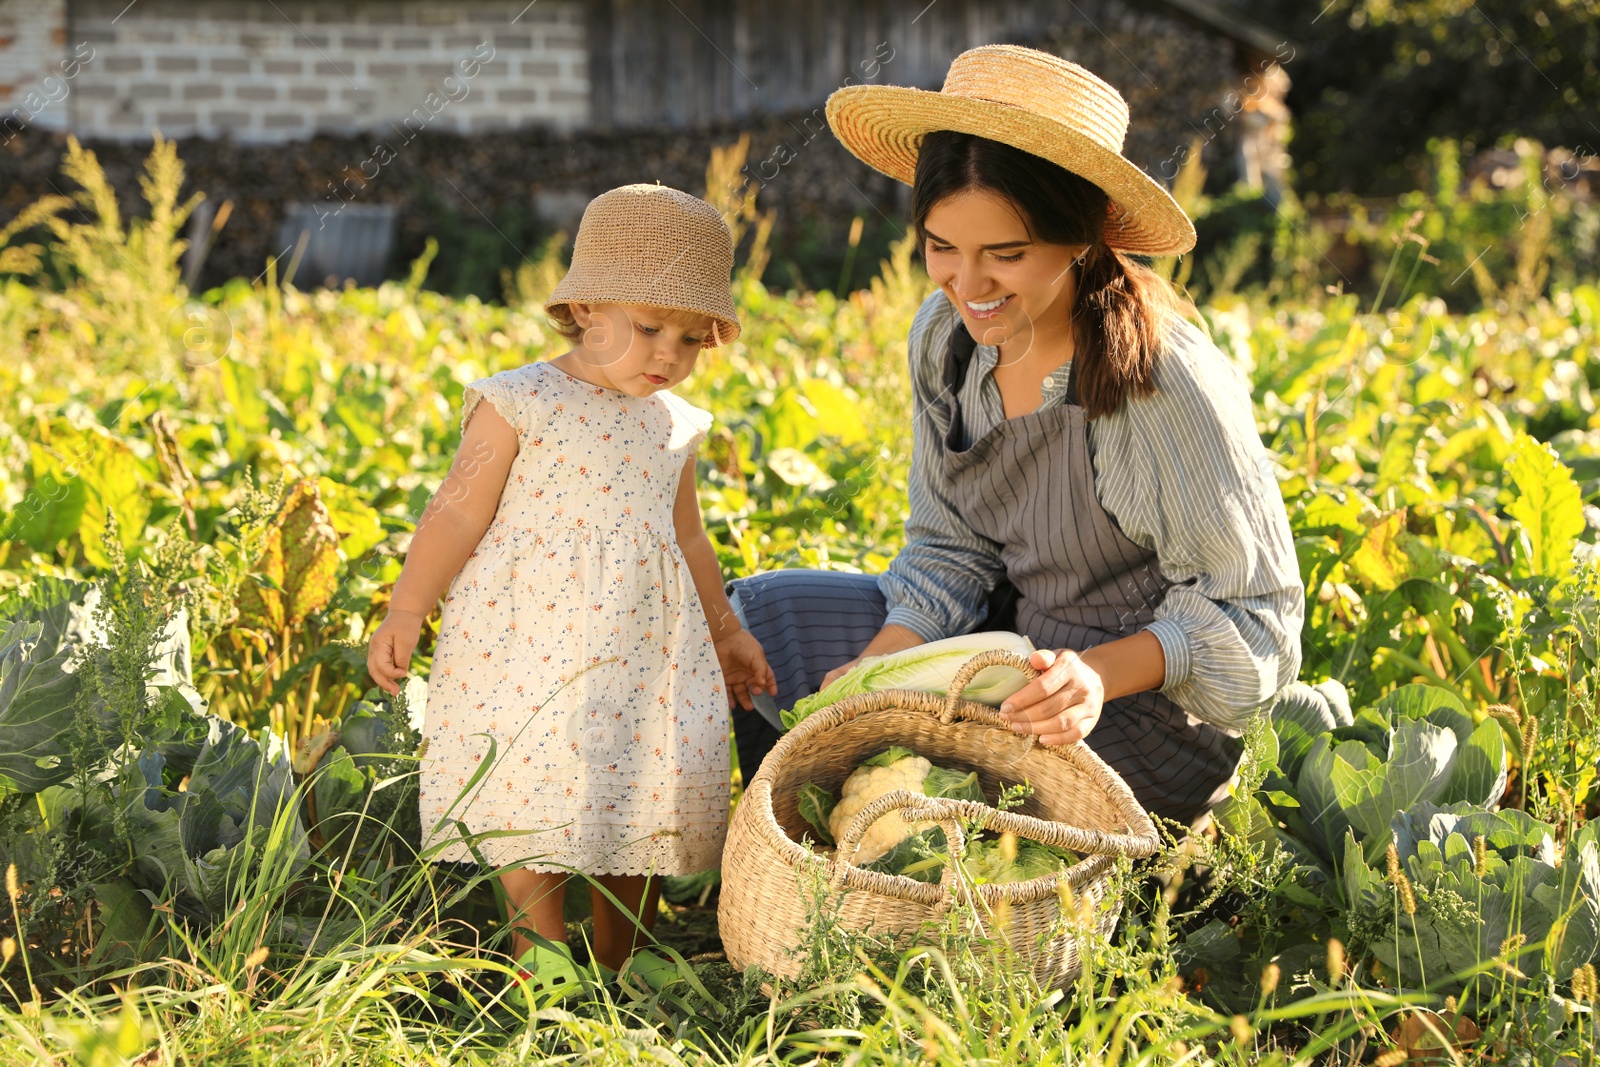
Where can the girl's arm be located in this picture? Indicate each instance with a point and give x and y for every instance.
(447, 533)
(744, 665)
(702, 557)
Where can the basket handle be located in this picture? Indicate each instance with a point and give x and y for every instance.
(877, 809)
(914, 807)
(1045, 831)
(997, 657)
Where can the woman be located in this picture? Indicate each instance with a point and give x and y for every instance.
(1085, 466)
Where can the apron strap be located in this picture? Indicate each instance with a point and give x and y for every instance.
(1002, 601)
(958, 357)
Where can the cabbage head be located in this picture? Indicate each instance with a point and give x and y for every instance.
(1472, 907)
(1418, 745)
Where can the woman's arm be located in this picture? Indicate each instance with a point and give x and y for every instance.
(1184, 473)
(1211, 508)
(744, 664)
(447, 534)
(1063, 704)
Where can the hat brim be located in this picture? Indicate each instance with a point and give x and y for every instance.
(728, 319)
(883, 126)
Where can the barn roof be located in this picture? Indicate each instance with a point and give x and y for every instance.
(1227, 20)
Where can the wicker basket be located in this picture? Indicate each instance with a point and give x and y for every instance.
(1078, 803)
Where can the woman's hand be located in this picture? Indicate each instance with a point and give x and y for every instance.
(389, 653)
(1062, 704)
(840, 671)
(889, 640)
(745, 668)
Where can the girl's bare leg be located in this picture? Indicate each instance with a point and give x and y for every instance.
(534, 898)
(617, 933)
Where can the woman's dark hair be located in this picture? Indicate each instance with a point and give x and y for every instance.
(1117, 307)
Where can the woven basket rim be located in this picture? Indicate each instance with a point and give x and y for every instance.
(1138, 823)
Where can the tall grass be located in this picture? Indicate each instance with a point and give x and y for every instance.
(356, 959)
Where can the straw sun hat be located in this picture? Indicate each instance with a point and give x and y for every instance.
(657, 246)
(1038, 102)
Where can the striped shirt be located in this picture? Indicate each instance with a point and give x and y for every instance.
(1183, 473)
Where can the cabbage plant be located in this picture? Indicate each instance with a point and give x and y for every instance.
(113, 771)
(1515, 907)
(363, 779)
(1418, 745)
(235, 810)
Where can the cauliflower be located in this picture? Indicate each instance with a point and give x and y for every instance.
(866, 784)
(892, 845)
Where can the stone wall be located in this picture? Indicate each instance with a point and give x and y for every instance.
(277, 70)
(35, 77)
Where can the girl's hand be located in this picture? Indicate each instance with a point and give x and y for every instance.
(389, 654)
(1062, 704)
(744, 667)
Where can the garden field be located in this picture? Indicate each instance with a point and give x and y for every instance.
(208, 816)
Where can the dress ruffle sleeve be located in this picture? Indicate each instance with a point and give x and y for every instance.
(690, 423)
(510, 391)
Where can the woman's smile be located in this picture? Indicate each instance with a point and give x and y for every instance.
(988, 309)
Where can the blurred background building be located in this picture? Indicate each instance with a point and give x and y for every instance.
(342, 134)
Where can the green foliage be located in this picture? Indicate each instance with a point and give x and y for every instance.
(1515, 910)
(888, 757)
(43, 631)
(1436, 460)
(1375, 79)
(364, 789)
(816, 805)
(178, 802)
(1418, 745)
(1470, 244)
(195, 845)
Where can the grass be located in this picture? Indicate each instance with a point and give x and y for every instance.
(143, 428)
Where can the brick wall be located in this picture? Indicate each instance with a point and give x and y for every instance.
(260, 71)
(34, 87)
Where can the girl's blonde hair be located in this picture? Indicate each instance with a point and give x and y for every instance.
(562, 321)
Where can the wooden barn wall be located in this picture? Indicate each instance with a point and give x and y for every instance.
(687, 63)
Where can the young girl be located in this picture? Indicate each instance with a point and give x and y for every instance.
(585, 630)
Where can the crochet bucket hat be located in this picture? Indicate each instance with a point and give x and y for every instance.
(657, 246)
(1040, 103)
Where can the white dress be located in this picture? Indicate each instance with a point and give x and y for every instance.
(574, 638)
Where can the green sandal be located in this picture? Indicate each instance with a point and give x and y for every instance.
(551, 972)
(652, 968)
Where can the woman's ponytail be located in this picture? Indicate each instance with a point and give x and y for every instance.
(1116, 329)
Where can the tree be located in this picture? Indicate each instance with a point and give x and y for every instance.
(1376, 78)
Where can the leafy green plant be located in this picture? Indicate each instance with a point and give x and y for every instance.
(177, 802)
(362, 770)
(1489, 895)
(1416, 746)
(1436, 465)
(195, 845)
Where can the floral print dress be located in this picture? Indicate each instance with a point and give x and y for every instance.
(574, 640)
